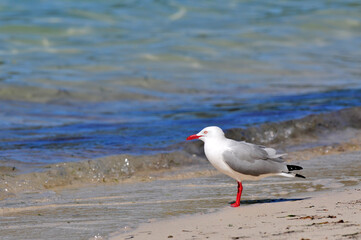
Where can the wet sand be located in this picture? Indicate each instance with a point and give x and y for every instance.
(97, 211)
(329, 215)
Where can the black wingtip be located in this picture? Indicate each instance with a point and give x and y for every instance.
(294, 167)
(299, 175)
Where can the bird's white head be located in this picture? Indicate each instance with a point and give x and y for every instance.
(207, 133)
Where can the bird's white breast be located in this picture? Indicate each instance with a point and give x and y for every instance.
(214, 152)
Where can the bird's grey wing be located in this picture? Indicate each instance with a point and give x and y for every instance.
(271, 153)
(251, 151)
(252, 160)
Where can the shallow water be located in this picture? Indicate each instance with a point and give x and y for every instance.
(82, 213)
(85, 79)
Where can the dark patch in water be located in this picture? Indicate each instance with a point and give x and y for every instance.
(282, 132)
(311, 125)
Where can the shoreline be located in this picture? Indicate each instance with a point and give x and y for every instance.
(314, 135)
(103, 171)
(325, 215)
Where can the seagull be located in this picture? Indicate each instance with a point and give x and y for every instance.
(242, 160)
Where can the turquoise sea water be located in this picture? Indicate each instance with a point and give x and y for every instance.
(85, 79)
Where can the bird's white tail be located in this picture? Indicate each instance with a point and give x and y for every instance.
(291, 175)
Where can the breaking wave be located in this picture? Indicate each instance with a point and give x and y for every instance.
(111, 169)
(292, 131)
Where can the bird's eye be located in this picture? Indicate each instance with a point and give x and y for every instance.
(205, 132)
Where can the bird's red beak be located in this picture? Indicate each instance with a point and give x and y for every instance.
(195, 136)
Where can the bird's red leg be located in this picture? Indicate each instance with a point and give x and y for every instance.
(239, 193)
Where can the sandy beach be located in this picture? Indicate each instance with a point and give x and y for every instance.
(325, 215)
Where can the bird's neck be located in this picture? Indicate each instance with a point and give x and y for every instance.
(214, 142)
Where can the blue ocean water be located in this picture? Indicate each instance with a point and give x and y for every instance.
(85, 79)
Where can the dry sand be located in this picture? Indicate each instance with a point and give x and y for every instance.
(326, 215)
